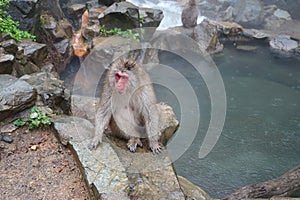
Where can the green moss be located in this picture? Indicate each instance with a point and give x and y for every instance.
(9, 26)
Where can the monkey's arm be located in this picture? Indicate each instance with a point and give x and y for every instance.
(102, 117)
(151, 117)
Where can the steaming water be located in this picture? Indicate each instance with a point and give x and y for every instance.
(261, 136)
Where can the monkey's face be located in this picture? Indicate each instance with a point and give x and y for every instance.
(121, 80)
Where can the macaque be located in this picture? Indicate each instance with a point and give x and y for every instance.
(128, 106)
(190, 14)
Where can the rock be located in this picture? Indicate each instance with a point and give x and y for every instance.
(102, 168)
(248, 12)
(283, 43)
(108, 2)
(6, 63)
(35, 52)
(191, 191)
(23, 9)
(7, 139)
(206, 35)
(282, 14)
(91, 32)
(15, 95)
(150, 18)
(168, 123)
(76, 10)
(8, 128)
(51, 91)
(10, 46)
(72, 129)
(123, 15)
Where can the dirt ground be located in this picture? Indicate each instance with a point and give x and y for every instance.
(36, 166)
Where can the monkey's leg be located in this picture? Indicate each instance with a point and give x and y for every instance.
(154, 144)
(133, 143)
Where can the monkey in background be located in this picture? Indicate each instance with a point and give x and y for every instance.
(128, 106)
(190, 14)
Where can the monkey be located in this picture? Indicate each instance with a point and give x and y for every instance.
(128, 106)
(190, 14)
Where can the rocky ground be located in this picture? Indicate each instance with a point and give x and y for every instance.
(37, 166)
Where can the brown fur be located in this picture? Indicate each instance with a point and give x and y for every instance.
(132, 115)
(190, 14)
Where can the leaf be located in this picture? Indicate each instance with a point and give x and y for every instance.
(20, 122)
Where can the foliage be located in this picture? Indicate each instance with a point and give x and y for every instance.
(9, 26)
(117, 31)
(35, 119)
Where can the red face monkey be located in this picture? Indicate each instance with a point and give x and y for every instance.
(128, 106)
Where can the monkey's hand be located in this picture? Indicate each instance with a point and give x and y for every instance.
(156, 148)
(94, 143)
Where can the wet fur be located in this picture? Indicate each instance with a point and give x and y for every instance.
(190, 14)
(132, 115)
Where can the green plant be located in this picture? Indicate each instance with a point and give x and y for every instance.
(35, 119)
(9, 26)
(117, 31)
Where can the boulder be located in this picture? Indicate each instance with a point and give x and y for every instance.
(248, 12)
(15, 96)
(6, 63)
(109, 2)
(284, 43)
(10, 46)
(123, 15)
(51, 91)
(36, 52)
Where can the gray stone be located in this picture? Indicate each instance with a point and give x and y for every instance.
(6, 63)
(283, 43)
(248, 12)
(102, 167)
(191, 191)
(51, 91)
(123, 15)
(10, 46)
(76, 9)
(282, 14)
(36, 52)
(108, 2)
(15, 95)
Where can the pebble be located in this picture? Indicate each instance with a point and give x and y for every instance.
(7, 139)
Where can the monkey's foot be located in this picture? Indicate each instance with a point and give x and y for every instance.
(94, 143)
(133, 143)
(156, 148)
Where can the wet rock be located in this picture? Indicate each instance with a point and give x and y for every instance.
(8, 128)
(91, 32)
(24, 68)
(51, 91)
(7, 139)
(206, 35)
(102, 167)
(168, 123)
(248, 12)
(108, 2)
(36, 52)
(10, 46)
(72, 129)
(282, 14)
(23, 9)
(58, 30)
(76, 10)
(15, 95)
(150, 18)
(284, 43)
(191, 191)
(6, 63)
(123, 15)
